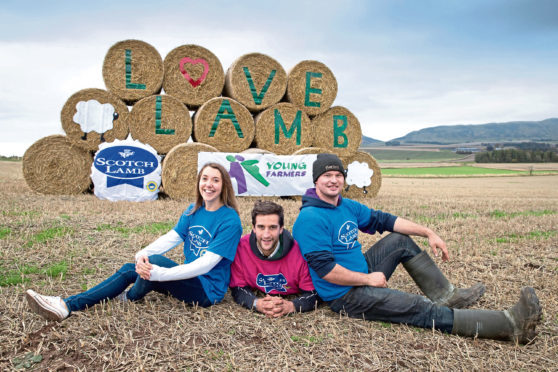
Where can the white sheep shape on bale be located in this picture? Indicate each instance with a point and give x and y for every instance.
(360, 175)
(92, 116)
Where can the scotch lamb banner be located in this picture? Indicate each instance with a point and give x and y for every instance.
(126, 170)
(264, 174)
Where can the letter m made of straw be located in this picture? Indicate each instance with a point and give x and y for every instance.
(295, 126)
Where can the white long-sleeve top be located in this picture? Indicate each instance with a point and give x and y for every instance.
(165, 243)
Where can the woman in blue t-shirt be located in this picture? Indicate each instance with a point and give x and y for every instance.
(210, 229)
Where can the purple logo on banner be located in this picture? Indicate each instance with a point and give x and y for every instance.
(125, 165)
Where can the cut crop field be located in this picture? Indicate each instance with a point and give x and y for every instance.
(413, 155)
(502, 231)
(460, 171)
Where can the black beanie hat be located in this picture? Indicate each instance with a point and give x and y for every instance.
(325, 163)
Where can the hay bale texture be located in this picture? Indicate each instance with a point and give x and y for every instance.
(54, 165)
(161, 121)
(282, 129)
(311, 86)
(133, 69)
(256, 80)
(193, 75)
(354, 192)
(180, 170)
(311, 150)
(337, 130)
(82, 133)
(225, 124)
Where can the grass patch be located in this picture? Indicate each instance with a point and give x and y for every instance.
(57, 270)
(152, 228)
(23, 274)
(49, 234)
(5, 231)
(18, 276)
(533, 235)
(447, 171)
(502, 214)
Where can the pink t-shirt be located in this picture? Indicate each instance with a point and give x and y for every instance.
(285, 276)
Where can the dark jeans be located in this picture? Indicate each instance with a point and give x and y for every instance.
(187, 290)
(391, 305)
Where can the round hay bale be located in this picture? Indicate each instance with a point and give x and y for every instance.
(311, 86)
(254, 150)
(180, 169)
(337, 130)
(311, 150)
(193, 75)
(225, 124)
(92, 116)
(256, 80)
(133, 69)
(55, 166)
(282, 129)
(161, 121)
(354, 191)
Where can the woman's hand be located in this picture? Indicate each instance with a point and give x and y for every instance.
(143, 267)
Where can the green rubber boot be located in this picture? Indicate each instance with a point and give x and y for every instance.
(516, 324)
(433, 283)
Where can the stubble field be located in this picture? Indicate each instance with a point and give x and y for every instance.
(502, 231)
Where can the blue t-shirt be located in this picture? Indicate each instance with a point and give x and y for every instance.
(323, 227)
(218, 232)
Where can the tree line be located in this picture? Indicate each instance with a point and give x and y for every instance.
(517, 156)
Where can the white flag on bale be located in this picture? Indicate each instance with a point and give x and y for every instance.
(126, 170)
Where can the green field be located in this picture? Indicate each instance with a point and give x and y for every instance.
(454, 171)
(410, 156)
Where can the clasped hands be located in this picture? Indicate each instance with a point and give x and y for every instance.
(274, 307)
(143, 267)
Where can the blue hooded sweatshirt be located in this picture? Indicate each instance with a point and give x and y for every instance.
(328, 234)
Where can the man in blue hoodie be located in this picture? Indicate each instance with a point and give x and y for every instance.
(356, 284)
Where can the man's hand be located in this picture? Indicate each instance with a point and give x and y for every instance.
(143, 267)
(436, 242)
(407, 227)
(377, 279)
(274, 307)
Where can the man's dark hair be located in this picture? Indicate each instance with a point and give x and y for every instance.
(265, 207)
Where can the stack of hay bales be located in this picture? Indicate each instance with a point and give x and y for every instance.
(256, 106)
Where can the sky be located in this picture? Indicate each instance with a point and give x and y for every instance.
(401, 65)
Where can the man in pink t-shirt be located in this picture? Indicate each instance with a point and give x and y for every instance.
(268, 260)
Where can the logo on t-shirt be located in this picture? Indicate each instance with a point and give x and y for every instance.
(272, 282)
(348, 234)
(199, 239)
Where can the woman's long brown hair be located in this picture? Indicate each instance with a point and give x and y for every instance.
(227, 192)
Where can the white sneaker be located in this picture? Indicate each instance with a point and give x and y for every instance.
(49, 307)
(122, 297)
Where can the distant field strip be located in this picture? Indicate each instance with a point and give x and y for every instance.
(413, 156)
(454, 171)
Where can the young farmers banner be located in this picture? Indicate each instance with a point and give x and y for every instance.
(264, 174)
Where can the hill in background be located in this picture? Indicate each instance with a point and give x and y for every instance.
(368, 141)
(545, 131)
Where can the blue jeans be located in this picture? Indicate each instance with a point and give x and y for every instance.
(391, 305)
(187, 290)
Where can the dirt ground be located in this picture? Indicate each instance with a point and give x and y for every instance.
(502, 231)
